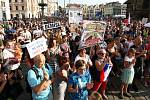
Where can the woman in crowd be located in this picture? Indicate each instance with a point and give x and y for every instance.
(61, 79)
(114, 54)
(12, 55)
(100, 62)
(65, 48)
(147, 63)
(52, 55)
(83, 56)
(79, 83)
(128, 72)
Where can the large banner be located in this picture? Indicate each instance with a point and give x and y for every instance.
(98, 26)
(93, 33)
(36, 47)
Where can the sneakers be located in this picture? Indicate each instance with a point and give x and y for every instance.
(127, 94)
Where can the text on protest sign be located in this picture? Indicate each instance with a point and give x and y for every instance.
(98, 26)
(36, 47)
(51, 26)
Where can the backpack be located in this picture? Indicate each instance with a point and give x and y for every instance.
(28, 88)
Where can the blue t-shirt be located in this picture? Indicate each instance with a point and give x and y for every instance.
(79, 80)
(33, 81)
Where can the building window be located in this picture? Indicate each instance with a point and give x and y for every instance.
(22, 7)
(10, 8)
(22, 0)
(23, 15)
(16, 0)
(2, 4)
(9, 1)
(4, 15)
(71, 14)
(16, 7)
(11, 15)
(17, 15)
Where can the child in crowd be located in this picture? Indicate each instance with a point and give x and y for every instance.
(128, 72)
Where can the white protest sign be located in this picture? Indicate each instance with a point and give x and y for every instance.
(36, 47)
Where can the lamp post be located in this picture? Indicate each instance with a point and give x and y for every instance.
(42, 5)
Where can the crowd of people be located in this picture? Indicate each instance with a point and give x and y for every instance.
(68, 71)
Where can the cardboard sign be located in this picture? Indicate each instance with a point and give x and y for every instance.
(98, 26)
(93, 34)
(36, 47)
(90, 38)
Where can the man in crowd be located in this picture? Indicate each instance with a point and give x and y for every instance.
(41, 83)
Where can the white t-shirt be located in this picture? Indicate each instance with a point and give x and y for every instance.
(27, 36)
(86, 59)
(8, 54)
(38, 33)
(129, 60)
(129, 43)
(1, 36)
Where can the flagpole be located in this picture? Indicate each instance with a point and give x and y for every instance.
(129, 19)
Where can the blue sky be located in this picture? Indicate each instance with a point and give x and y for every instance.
(88, 2)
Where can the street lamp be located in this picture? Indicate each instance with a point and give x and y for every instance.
(42, 5)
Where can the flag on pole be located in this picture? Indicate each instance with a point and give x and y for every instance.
(129, 19)
(105, 72)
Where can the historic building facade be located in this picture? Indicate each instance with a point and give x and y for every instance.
(138, 8)
(21, 8)
(113, 8)
(4, 10)
(31, 8)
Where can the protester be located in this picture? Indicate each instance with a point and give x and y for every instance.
(37, 32)
(83, 56)
(61, 79)
(100, 62)
(128, 72)
(42, 85)
(147, 63)
(140, 55)
(79, 83)
(65, 48)
(52, 54)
